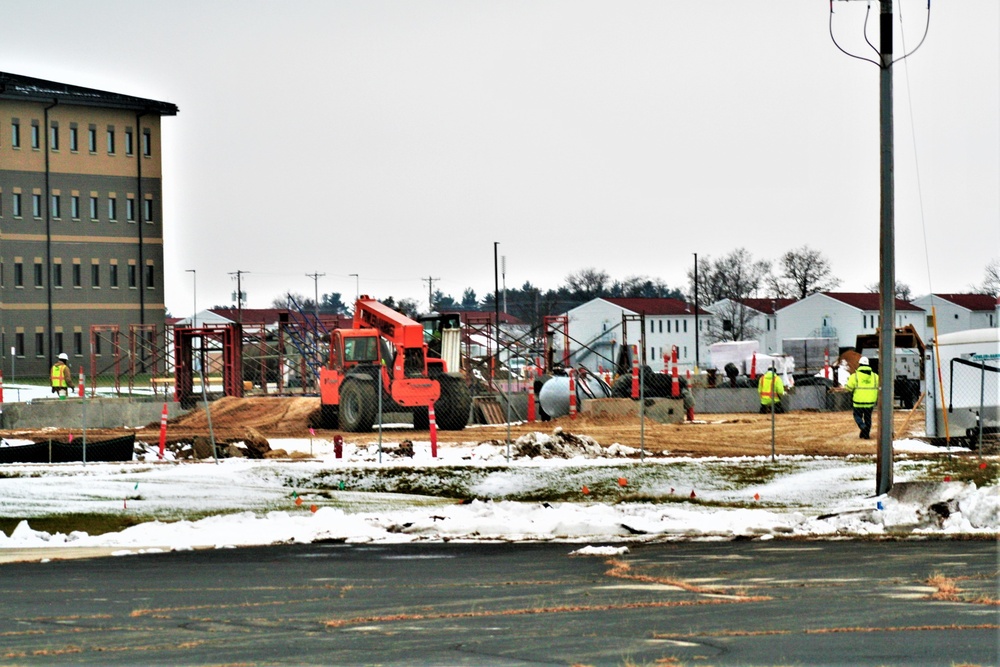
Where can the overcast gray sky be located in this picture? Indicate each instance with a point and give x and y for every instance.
(399, 140)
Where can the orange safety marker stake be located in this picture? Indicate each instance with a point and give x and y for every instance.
(163, 430)
(1, 385)
(298, 501)
(756, 496)
(692, 493)
(585, 490)
(622, 481)
(434, 430)
(982, 466)
(313, 509)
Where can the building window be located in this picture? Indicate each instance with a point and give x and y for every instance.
(54, 137)
(96, 342)
(129, 148)
(685, 326)
(112, 208)
(147, 144)
(668, 326)
(95, 275)
(59, 343)
(150, 277)
(92, 139)
(74, 139)
(131, 276)
(78, 343)
(39, 344)
(36, 135)
(130, 209)
(111, 141)
(15, 134)
(113, 277)
(36, 206)
(16, 201)
(148, 210)
(93, 208)
(39, 274)
(74, 206)
(55, 206)
(57, 275)
(19, 344)
(18, 274)
(77, 275)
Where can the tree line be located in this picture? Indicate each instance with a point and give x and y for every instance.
(736, 276)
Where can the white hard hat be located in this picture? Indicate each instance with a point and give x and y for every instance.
(863, 361)
(64, 356)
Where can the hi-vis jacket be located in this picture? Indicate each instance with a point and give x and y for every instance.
(864, 383)
(764, 388)
(59, 375)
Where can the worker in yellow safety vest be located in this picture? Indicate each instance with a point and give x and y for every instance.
(863, 384)
(771, 389)
(60, 376)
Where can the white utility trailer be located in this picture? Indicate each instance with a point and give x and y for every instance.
(967, 386)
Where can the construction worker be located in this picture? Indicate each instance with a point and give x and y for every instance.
(863, 384)
(771, 389)
(60, 376)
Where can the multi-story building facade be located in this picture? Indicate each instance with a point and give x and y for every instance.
(81, 219)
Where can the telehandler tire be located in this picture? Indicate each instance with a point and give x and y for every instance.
(452, 408)
(357, 406)
(328, 416)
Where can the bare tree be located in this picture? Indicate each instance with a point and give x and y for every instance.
(991, 279)
(588, 283)
(903, 290)
(804, 271)
(734, 276)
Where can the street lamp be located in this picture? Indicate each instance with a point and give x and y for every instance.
(194, 304)
(357, 286)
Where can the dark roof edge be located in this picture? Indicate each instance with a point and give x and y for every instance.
(26, 88)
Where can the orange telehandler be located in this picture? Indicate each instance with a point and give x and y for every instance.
(386, 349)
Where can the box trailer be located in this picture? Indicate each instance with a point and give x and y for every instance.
(966, 387)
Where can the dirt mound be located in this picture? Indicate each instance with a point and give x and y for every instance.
(808, 433)
(273, 417)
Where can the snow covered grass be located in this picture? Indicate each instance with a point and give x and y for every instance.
(551, 488)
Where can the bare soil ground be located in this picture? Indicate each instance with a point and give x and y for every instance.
(810, 433)
(814, 433)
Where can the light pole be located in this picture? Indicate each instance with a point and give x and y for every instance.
(357, 286)
(194, 304)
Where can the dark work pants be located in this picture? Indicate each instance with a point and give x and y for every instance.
(863, 418)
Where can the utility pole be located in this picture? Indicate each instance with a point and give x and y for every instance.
(887, 241)
(430, 292)
(239, 295)
(315, 277)
(697, 365)
(887, 257)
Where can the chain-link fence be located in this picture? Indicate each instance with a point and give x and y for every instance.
(968, 403)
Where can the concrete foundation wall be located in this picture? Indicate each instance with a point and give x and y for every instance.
(662, 410)
(727, 399)
(101, 413)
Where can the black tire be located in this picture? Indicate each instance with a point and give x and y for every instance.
(328, 416)
(452, 408)
(357, 406)
(421, 420)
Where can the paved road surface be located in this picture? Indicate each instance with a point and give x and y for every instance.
(721, 603)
